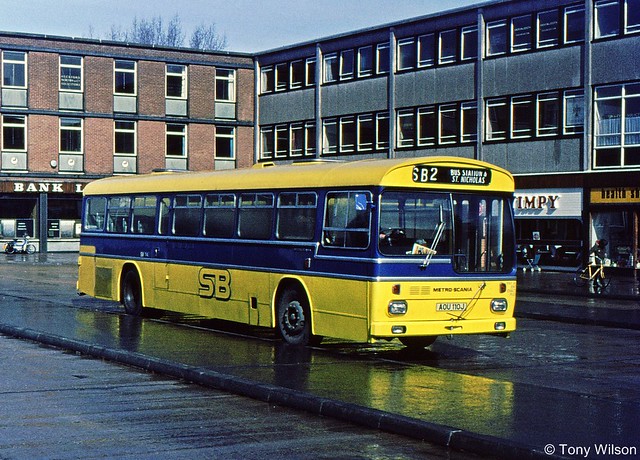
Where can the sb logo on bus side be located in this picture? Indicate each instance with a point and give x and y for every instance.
(214, 283)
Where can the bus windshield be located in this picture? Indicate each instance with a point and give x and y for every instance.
(474, 231)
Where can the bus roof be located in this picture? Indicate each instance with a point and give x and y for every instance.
(425, 172)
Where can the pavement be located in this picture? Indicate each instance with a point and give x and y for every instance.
(548, 294)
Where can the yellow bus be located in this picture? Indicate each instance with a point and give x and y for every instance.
(364, 251)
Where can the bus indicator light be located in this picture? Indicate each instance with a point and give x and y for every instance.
(395, 289)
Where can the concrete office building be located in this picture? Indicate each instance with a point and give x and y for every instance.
(548, 90)
(75, 110)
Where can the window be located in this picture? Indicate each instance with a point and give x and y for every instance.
(469, 40)
(297, 140)
(497, 119)
(125, 137)
(176, 78)
(426, 50)
(347, 220)
(406, 54)
(282, 77)
(447, 47)
(70, 73)
(310, 71)
(468, 122)
(547, 29)
(631, 16)
(282, 141)
(143, 214)
(573, 111)
(70, 135)
(124, 80)
(219, 215)
(14, 69)
(521, 33)
(225, 85)
(365, 61)
(449, 125)
(574, 24)
(548, 119)
(267, 80)
(406, 128)
(346, 64)
(382, 131)
(331, 68)
(187, 215)
(347, 134)
(225, 143)
(366, 132)
(522, 116)
(267, 142)
(255, 216)
(296, 219)
(427, 126)
(297, 74)
(607, 18)
(94, 213)
(176, 140)
(329, 136)
(118, 214)
(496, 38)
(14, 133)
(310, 138)
(617, 125)
(382, 58)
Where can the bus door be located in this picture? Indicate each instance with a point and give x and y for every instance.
(160, 246)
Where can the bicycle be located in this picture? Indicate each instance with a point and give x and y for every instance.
(593, 272)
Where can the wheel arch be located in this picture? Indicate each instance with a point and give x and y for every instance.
(126, 268)
(285, 283)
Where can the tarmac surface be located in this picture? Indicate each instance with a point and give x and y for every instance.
(546, 294)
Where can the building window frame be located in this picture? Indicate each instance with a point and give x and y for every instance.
(497, 38)
(426, 50)
(71, 73)
(365, 61)
(469, 43)
(573, 27)
(176, 82)
(606, 19)
(125, 137)
(176, 140)
(406, 56)
(225, 85)
(547, 28)
(70, 135)
(447, 46)
(547, 114)
(125, 77)
(14, 69)
(225, 143)
(14, 133)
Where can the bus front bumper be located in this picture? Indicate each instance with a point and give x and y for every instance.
(398, 328)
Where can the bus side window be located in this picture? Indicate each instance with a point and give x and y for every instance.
(296, 219)
(94, 214)
(347, 220)
(255, 218)
(187, 215)
(118, 214)
(164, 209)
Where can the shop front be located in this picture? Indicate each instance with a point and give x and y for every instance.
(613, 216)
(47, 211)
(549, 223)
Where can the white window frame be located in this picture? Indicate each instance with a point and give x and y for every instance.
(23, 62)
(406, 57)
(133, 132)
(402, 116)
(222, 134)
(468, 40)
(543, 99)
(175, 133)
(267, 138)
(423, 139)
(504, 28)
(427, 41)
(310, 138)
(71, 128)
(267, 80)
(281, 82)
(310, 71)
(520, 47)
(549, 42)
(381, 50)
(123, 70)
(382, 135)
(22, 125)
(347, 64)
(297, 133)
(635, 28)
(517, 101)
(442, 40)
(574, 127)
(330, 68)
(297, 74)
(229, 80)
(466, 107)
(365, 69)
(365, 145)
(327, 146)
(568, 11)
(281, 141)
(71, 66)
(442, 110)
(598, 7)
(492, 135)
(348, 128)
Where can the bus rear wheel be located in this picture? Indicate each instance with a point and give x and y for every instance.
(132, 293)
(417, 343)
(294, 319)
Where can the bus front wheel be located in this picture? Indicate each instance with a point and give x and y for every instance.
(294, 318)
(132, 293)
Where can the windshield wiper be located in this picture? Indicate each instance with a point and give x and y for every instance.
(436, 239)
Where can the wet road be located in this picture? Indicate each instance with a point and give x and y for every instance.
(552, 383)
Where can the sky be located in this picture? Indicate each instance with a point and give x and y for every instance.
(249, 25)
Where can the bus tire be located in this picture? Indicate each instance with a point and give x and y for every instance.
(417, 343)
(294, 318)
(132, 293)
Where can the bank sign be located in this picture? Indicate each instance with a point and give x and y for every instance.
(40, 187)
(550, 203)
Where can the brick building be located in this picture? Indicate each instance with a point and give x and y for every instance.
(75, 110)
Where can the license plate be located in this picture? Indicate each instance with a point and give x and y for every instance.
(451, 306)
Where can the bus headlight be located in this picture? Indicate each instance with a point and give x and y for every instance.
(499, 305)
(398, 307)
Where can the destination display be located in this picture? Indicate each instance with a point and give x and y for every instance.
(423, 174)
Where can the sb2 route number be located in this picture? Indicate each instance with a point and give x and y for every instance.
(214, 283)
(423, 174)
